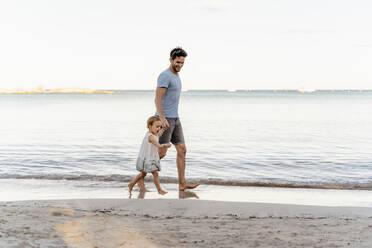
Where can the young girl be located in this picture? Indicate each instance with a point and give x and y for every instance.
(148, 158)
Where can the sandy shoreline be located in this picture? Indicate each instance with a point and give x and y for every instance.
(180, 223)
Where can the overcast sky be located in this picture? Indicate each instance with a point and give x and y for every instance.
(232, 44)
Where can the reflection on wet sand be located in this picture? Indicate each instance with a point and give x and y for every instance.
(181, 194)
(141, 194)
(187, 194)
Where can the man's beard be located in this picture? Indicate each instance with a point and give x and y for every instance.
(175, 68)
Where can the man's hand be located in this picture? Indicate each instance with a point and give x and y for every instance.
(164, 123)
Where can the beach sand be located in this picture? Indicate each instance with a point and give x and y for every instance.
(100, 223)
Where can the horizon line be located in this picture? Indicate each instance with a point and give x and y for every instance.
(292, 89)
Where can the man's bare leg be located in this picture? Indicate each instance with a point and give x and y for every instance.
(162, 152)
(181, 165)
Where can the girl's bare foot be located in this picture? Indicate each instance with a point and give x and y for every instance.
(130, 186)
(162, 192)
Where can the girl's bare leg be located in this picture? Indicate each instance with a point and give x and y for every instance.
(141, 185)
(141, 175)
(157, 184)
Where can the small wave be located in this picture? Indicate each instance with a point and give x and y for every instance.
(208, 181)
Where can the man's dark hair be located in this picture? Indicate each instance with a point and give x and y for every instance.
(178, 52)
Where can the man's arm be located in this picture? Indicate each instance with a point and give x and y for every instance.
(159, 106)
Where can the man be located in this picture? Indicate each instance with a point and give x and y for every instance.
(167, 97)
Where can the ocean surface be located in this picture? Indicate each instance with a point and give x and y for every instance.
(320, 139)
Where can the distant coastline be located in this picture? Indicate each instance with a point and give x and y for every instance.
(41, 90)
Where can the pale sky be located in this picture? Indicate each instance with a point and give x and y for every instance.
(232, 44)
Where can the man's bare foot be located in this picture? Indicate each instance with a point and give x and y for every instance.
(188, 186)
(162, 192)
(130, 186)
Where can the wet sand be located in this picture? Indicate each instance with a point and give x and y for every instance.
(32, 189)
(180, 223)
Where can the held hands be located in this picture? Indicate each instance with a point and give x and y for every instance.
(166, 145)
(164, 123)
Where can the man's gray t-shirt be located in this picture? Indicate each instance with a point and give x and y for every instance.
(171, 98)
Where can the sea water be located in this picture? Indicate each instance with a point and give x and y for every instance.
(320, 139)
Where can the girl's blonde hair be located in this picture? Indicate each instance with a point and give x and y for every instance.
(151, 120)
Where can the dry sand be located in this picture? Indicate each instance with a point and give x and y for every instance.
(133, 223)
